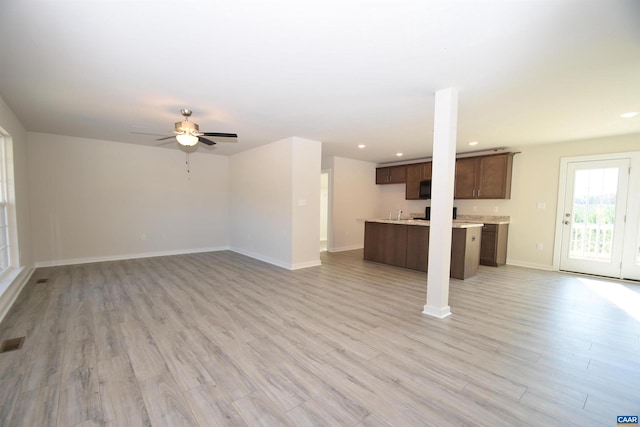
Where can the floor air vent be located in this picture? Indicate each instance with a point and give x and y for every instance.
(11, 345)
(42, 280)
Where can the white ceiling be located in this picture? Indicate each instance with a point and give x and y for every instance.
(343, 72)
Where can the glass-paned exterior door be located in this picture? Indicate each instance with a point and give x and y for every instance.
(594, 216)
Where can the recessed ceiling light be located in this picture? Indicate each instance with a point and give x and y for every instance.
(473, 143)
(361, 146)
(399, 154)
(629, 114)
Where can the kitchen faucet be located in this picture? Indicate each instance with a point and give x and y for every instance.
(399, 214)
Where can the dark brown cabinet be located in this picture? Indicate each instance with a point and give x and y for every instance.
(479, 177)
(465, 182)
(418, 244)
(493, 251)
(484, 177)
(391, 175)
(415, 173)
(407, 246)
(385, 243)
(468, 242)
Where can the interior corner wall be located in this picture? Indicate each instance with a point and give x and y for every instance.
(266, 185)
(95, 200)
(353, 197)
(305, 202)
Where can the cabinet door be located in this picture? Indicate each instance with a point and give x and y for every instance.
(465, 178)
(426, 170)
(397, 174)
(489, 245)
(493, 249)
(391, 175)
(418, 247)
(385, 243)
(373, 241)
(414, 176)
(382, 175)
(465, 251)
(494, 177)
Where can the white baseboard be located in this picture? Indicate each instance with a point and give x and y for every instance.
(15, 282)
(277, 262)
(518, 263)
(345, 248)
(87, 260)
(437, 312)
(260, 257)
(307, 264)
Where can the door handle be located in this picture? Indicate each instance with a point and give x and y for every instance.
(567, 222)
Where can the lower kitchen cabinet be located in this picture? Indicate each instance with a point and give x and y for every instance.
(407, 246)
(418, 248)
(493, 251)
(385, 243)
(465, 241)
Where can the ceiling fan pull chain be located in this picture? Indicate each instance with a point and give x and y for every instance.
(187, 163)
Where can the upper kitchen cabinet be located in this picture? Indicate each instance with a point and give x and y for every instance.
(484, 177)
(391, 175)
(415, 173)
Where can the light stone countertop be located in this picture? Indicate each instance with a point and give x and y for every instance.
(486, 219)
(425, 223)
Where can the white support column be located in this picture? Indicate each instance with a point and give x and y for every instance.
(443, 175)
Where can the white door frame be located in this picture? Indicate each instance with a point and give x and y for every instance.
(633, 208)
(329, 172)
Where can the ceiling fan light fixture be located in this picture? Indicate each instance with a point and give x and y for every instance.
(187, 139)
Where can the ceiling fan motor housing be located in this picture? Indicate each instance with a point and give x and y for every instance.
(187, 128)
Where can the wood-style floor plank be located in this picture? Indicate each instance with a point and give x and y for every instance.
(217, 338)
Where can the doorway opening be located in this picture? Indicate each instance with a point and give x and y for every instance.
(599, 217)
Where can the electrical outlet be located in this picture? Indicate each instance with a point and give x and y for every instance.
(495, 209)
(539, 246)
(475, 209)
(143, 236)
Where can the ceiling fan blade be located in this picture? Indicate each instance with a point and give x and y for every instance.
(166, 143)
(206, 141)
(166, 137)
(147, 133)
(223, 135)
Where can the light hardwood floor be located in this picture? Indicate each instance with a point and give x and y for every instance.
(222, 339)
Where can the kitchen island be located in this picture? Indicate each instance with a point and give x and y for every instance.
(405, 243)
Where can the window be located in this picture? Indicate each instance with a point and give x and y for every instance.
(4, 227)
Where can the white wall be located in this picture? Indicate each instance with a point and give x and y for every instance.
(97, 200)
(354, 198)
(536, 171)
(324, 205)
(16, 135)
(305, 202)
(267, 220)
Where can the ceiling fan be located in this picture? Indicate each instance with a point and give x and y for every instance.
(188, 133)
